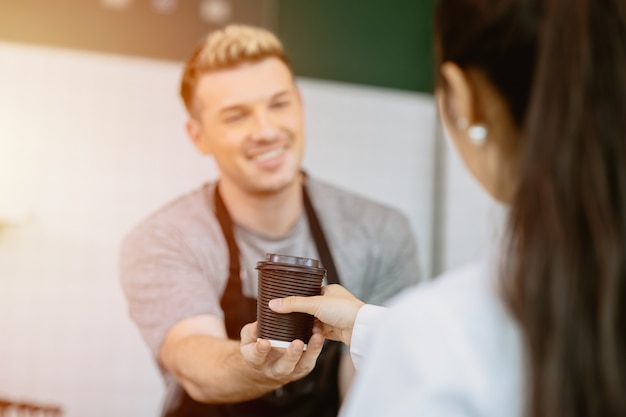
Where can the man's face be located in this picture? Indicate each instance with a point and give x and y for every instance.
(250, 118)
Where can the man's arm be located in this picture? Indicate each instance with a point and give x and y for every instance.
(174, 302)
(214, 369)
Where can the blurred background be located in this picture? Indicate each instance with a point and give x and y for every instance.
(92, 140)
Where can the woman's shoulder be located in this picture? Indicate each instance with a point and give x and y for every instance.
(462, 305)
(460, 287)
(453, 336)
(448, 348)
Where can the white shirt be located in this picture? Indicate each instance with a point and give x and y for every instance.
(446, 348)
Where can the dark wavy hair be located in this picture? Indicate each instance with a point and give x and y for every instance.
(560, 65)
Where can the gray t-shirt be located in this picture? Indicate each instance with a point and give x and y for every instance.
(174, 265)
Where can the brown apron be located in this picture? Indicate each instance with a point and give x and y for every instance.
(317, 394)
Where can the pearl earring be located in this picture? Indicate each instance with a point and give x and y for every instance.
(477, 134)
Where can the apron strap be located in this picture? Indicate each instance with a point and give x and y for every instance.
(233, 285)
(233, 292)
(314, 395)
(332, 276)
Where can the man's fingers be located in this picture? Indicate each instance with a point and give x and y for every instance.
(286, 364)
(254, 352)
(309, 357)
(248, 333)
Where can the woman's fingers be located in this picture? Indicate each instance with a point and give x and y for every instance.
(292, 304)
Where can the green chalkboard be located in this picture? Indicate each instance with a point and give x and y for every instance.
(373, 42)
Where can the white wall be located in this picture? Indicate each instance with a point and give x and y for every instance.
(89, 144)
(472, 221)
(376, 142)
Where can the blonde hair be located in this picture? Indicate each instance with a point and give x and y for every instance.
(227, 48)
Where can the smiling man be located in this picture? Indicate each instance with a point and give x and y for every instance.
(188, 270)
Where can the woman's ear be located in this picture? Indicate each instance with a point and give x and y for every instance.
(477, 119)
(456, 100)
(194, 131)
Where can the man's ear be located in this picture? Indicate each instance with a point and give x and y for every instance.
(457, 103)
(194, 131)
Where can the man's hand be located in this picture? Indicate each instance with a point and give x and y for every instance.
(281, 365)
(214, 369)
(335, 309)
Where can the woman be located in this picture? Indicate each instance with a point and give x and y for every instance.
(533, 95)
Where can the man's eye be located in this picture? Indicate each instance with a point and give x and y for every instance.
(279, 104)
(234, 117)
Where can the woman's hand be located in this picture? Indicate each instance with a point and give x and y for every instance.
(336, 310)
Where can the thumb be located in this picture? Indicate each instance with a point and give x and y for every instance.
(294, 303)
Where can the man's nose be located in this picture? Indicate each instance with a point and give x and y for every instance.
(264, 127)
